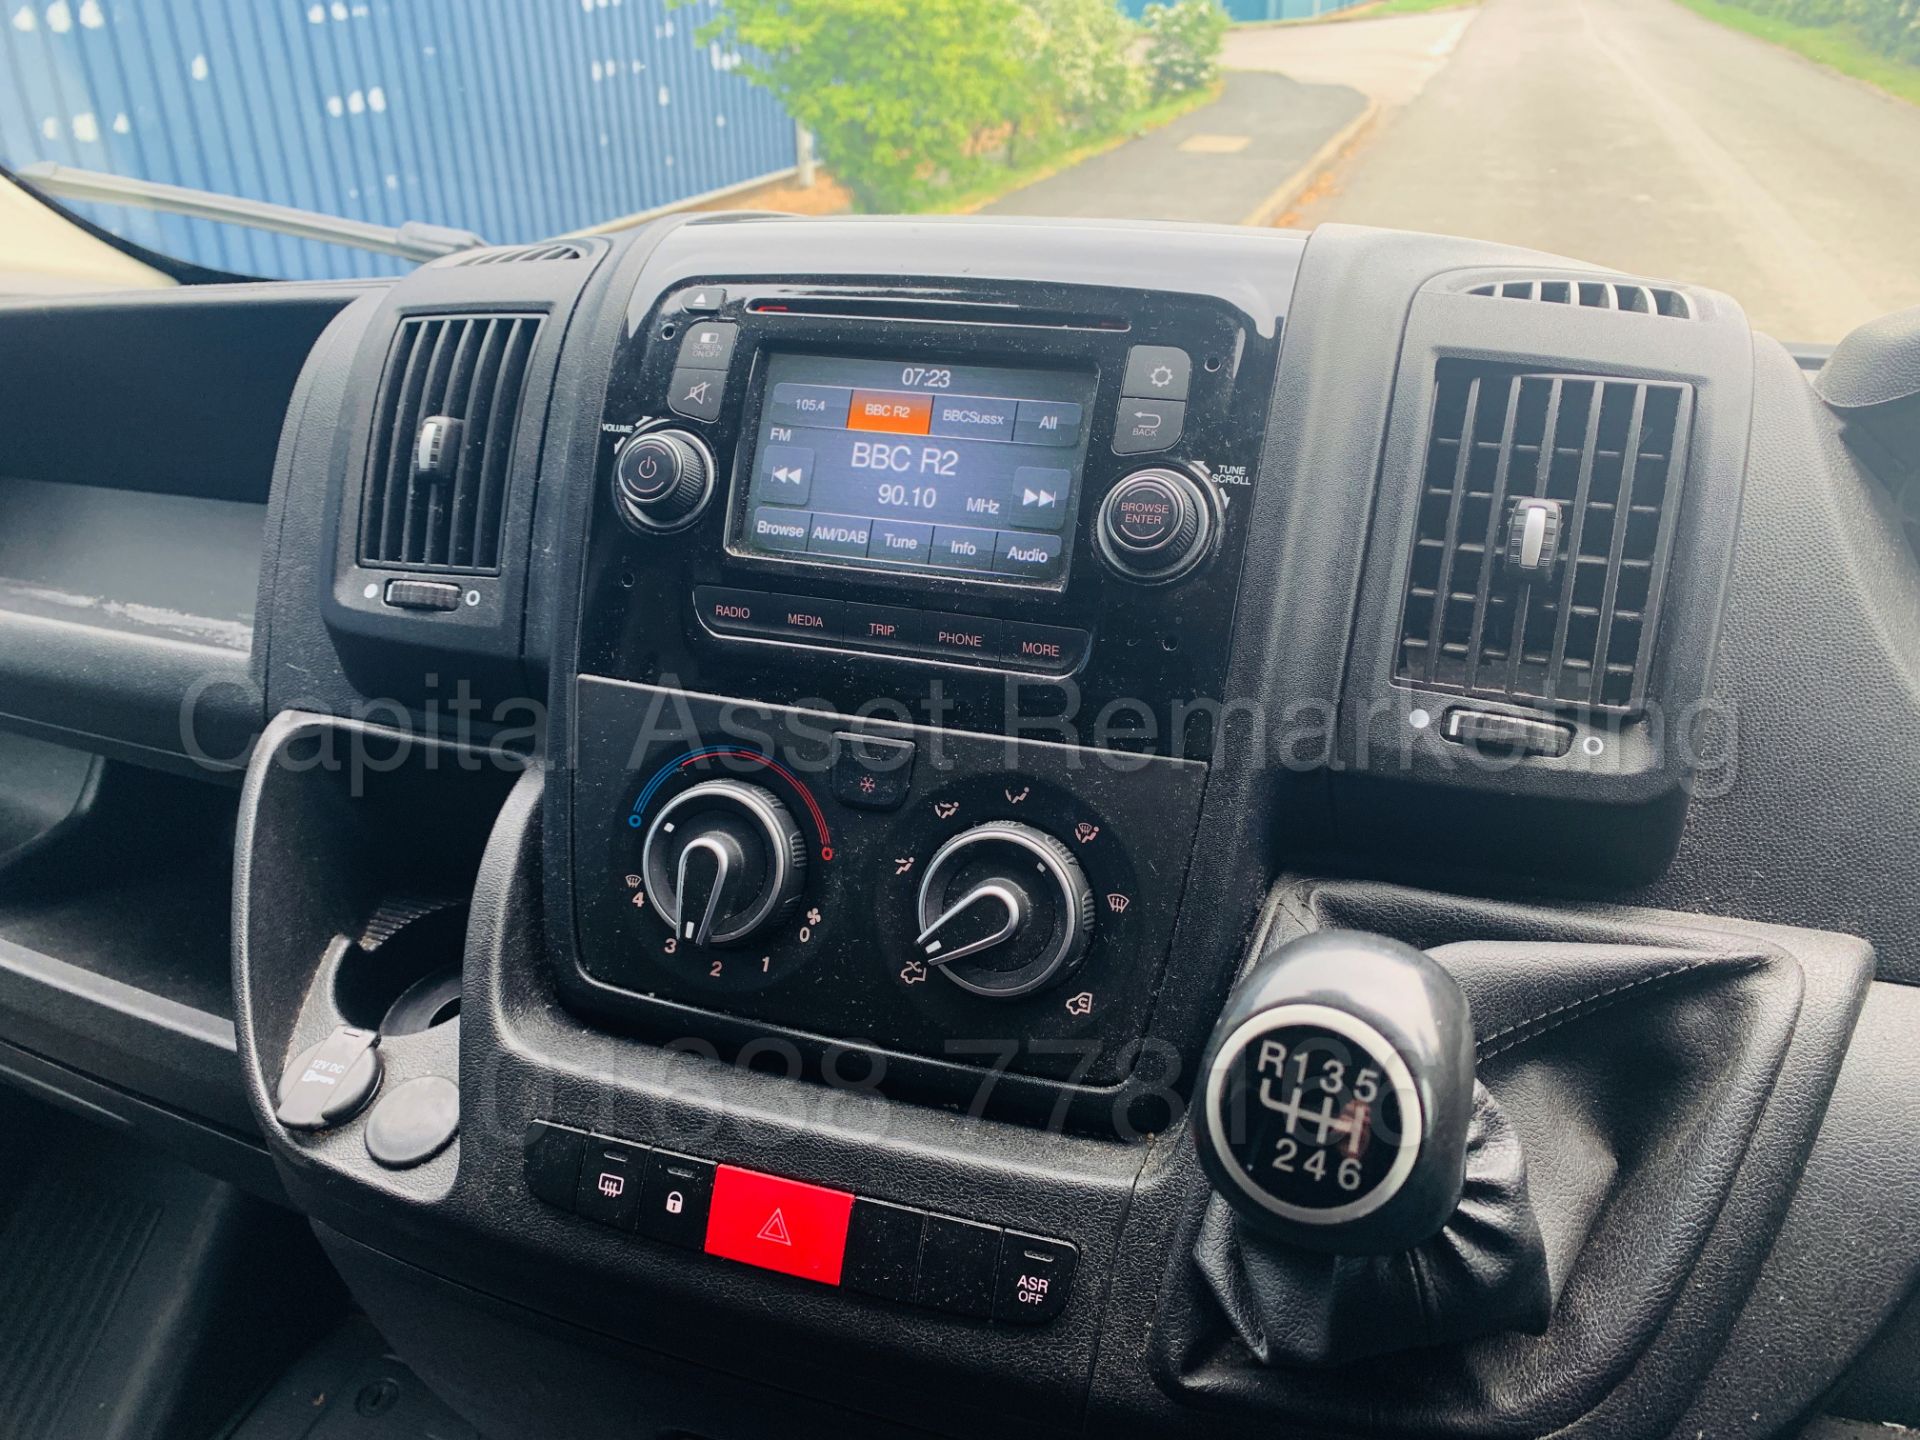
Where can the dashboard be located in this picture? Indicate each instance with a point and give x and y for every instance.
(739, 814)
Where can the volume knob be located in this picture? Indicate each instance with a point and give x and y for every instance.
(661, 480)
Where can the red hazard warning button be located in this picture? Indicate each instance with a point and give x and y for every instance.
(784, 1225)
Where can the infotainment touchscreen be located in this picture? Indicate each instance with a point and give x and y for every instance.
(965, 470)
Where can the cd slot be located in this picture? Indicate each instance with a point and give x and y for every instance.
(947, 312)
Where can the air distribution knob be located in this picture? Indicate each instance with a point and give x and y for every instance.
(1336, 1094)
(1004, 909)
(1156, 525)
(662, 479)
(722, 861)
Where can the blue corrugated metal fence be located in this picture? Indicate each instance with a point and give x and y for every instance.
(518, 119)
(1265, 9)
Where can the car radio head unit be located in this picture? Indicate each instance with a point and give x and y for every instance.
(968, 471)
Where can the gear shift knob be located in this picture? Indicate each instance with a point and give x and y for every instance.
(1336, 1093)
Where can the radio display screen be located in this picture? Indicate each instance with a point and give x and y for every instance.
(970, 471)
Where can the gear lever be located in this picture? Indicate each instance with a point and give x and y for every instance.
(1336, 1095)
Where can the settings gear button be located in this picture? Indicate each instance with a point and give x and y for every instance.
(1157, 372)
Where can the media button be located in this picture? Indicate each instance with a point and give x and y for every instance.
(800, 617)
(1040, 497)
(786, 474)
(1047, 422)
(1028, 555)
(824, 407)
(777, 529)
(902, 543)
(1144, 426)
(732, 612)
(709, 345)
(847, 535)
(958, 547)
(973, 417)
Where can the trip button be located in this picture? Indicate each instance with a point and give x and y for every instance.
(1157, 372)
(675, 1200)
(1144, 426)
(883, 1249)
(609, 1187)
(958, 1263)
(696, 393)
(1035, 1276)
(708, 345)
(889, 625)
(784, 1225)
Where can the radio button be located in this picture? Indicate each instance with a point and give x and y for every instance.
(697, 393)
(1157, 372)
(1144, 426)
(709, 345)
(732, 612)
(1047, 422)
(1028, 554)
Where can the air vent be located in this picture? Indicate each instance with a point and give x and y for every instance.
(424, 509)
(1576, 625)
(526, 254)
(1594, 295)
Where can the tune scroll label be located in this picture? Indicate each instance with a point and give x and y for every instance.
(1314, 1114)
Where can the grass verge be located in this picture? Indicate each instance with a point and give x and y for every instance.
(1038, 165)
(1838, 47)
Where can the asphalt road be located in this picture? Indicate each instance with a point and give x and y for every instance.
(1635, 134)
(1221, 163)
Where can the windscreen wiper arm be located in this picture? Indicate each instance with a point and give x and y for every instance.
(414, 240)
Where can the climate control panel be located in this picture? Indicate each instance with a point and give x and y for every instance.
(983, 901)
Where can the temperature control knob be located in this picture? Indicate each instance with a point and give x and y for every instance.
(723, 861)
(662, 479)
(1004, 910)
(1156, 525)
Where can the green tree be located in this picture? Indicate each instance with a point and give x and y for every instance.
(1183, 44)
(904, 97)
